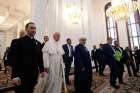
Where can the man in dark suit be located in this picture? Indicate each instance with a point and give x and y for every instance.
(93, 57)
(119, 57)
(137, 58)
(27, 61)
(128, 56)
(83, 68)
(109, 58)
(46, 39)
(13, 47)
(99, 56)
(68, 58)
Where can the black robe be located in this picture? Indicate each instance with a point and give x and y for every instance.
(83, 79)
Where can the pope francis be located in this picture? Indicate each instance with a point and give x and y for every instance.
(53, 62)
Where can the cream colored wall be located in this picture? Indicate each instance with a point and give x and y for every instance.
(99, 24)
(10, 35)
(6, 37)
(122, 31)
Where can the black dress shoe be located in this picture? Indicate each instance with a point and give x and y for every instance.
(115, 86)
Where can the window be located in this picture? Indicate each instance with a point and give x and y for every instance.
(133, 27)
(111, 25)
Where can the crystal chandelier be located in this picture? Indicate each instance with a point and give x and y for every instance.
(121, 9)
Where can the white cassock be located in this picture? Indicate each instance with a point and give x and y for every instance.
(52, 56)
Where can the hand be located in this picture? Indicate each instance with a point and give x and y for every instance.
(16, 81)
(46, 70)
(42, 74)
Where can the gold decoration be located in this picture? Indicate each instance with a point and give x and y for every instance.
(122, 10)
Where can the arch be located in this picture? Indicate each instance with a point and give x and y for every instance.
(111, 25)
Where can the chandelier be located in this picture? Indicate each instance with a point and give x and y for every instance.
(72, 13)
(3, 14)
(121, 9)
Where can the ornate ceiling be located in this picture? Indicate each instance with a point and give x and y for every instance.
(17, 10)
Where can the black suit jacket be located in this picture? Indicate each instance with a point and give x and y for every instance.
(108, 51)
(27, 59)
(137, 55)
(66, 54)
(11, 53)
(42, 45)
(93, 54)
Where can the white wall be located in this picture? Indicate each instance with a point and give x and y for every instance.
(122, 31)
(99, 33)
(2, 43)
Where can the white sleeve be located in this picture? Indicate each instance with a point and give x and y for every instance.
(46, 55)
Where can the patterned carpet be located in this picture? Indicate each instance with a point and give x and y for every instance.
(99, 84)
(5, 80)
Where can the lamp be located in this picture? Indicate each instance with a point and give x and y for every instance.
(121, 9)
(72, 14)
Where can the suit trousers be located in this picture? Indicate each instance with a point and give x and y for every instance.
(114, 69)
(25, 87)
(121, 70)
(96, 64)
(68, 63)
(131, 68)
(101, 65)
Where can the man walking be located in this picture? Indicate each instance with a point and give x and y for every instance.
(68, 58)
(27, 61)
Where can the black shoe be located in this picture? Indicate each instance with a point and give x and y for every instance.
(115, 86)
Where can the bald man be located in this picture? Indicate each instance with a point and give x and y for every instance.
(83, 68)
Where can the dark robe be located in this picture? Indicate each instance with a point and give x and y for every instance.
(27, 63)
(83, 69)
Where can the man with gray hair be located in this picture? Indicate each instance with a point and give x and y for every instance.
(83, 68)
